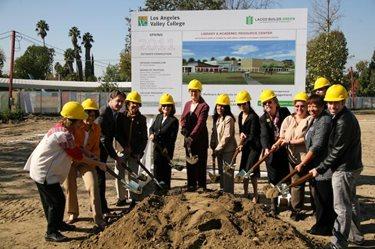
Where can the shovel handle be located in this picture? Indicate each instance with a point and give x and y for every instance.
(301, 180)
(257, 164)
(291, 174)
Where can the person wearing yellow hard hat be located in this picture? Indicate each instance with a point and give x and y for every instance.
(344, 158)
(270, 124)
(320, 86)
(292, 137)
(134, 129)
(49, 165)
(249, 130)
(194, 129)
(163, 132)
(109, 120)
(316, 143)
(88, 138)
(226, 141)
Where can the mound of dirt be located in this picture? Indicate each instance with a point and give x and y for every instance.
(195, 220)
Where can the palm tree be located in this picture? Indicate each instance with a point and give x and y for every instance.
(75, 34)
(69, 59)
(42, 28)
(87, 39)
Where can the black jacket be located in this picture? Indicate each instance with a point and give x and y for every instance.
(110, 129)
(344, 144)
(251, 128)
(267, 137)
(135, 130)
(165, 134)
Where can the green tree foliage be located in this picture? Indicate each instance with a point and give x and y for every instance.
(42, 28)
(326, 56)
(35, 63)
(87, 41)
(125, 69)
(159, 5)
(371, 69)
(112, 74)
(69, 59)
(2, 60)
(75, 34)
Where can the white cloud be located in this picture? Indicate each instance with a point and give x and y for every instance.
(243, 50)
(187, 52)
(278, 54)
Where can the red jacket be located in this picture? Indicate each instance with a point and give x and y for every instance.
(194, 125)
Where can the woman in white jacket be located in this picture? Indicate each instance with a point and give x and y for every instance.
(226, 141)
(49, 165)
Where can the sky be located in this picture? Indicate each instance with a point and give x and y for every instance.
(277, 50)
(105, 20)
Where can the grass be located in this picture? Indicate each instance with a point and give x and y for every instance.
(236, 78)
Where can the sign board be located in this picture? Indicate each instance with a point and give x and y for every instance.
(227, 50)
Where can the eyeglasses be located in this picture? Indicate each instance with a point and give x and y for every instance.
(241, 104)
(166, 106)
(269, 102)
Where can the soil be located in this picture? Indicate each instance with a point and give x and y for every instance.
(178, 220)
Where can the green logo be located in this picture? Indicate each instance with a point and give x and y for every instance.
(142, 20)
(249, 20)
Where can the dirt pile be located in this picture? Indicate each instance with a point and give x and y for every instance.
(195, 220)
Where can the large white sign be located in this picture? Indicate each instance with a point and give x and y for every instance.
(227, 50)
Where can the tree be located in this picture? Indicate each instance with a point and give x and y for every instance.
(75, 34)
(160, 5)
(363, 76)
(190, 60)
(371, 77)
(326, 57)
(42, 28)
(69, 59)
(324, 14)
(59, 70)
(35, 63)
(112, 73)
(87, 39)
(227, 58)
(249, 4)
(212, 59)
(2, 60)
(125, 66)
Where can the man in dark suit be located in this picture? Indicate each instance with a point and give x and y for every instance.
(108, 120)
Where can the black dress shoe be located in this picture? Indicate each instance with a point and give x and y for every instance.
(55, 237)
(66, 227)
(319, 231)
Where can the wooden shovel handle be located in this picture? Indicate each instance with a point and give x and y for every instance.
(263, 159)
(291, 174)
(301, 180)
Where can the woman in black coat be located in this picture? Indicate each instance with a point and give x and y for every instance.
(270, 123)
(163, 132)
(249, 129)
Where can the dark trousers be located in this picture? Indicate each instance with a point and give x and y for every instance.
(101, 182)
(197, 173)
(162, 170)
(53, 201)
(325, 214)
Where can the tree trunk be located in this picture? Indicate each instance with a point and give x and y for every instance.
(88, 71)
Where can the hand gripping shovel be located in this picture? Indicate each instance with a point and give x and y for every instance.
(190, 158)
(131, 185)
(173, 165)
(230, 167)
(245, 175)
(159, 184)
(213, 176)
(283, 189)
(269, 189)
(139, 177)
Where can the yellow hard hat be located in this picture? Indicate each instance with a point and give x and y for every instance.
(335, 93)
(73, 110)
(223, 99)
(90, 104)
(301, 96)
(195, 85)
(242, 97)
(266, 95)
(320, 83)
(166, 99)
(134, 96)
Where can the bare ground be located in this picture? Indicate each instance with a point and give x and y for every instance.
(22, 222)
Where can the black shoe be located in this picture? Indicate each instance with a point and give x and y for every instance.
(296, 216)
(66, 227)
(330, 246)
(191, 189)
(55, 237)
(121, 203)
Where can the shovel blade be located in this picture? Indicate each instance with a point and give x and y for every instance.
(213, 177)
(134, 187)
(229, 167)
(176, 166)
(192, 159)
(240, 175)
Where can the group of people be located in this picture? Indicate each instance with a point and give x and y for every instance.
(321, 137)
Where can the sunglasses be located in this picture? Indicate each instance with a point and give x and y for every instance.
(166, 105)
(241, 104)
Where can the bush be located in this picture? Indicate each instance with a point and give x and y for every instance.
(7, 115)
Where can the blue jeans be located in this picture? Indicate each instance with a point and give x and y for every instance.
(347, 224)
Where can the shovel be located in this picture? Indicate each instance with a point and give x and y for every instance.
(280, 185)
(213, 176)
(283, 188)
(159, 184)
(139, 177)
(173, 165)
(131, 185)
(190, 158)
(229, 167)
